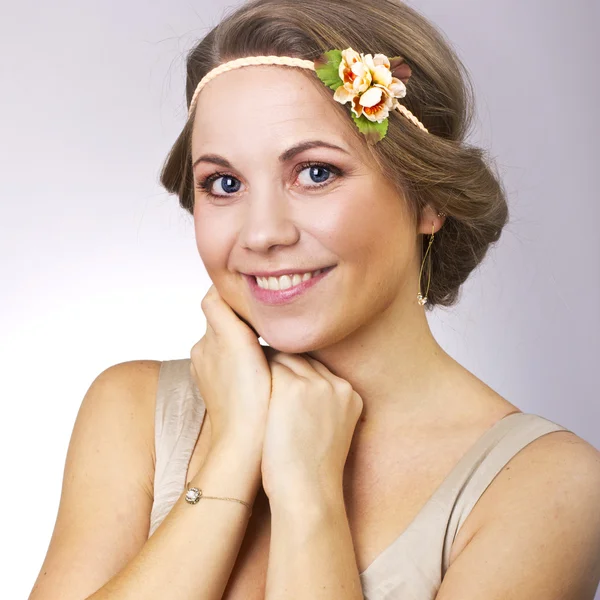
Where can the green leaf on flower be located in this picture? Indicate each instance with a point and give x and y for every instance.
(372, 130)
(327, 68)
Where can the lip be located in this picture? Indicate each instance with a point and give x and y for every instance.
(276, 297)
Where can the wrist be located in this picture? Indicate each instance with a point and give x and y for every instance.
(246, 449)
(230, 463)
(307, 497)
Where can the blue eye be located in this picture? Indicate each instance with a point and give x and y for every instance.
(319, 173)
(229, 184)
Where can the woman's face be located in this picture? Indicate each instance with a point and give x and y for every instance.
(271, 211)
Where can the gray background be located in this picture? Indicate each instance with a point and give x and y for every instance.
(98, 265)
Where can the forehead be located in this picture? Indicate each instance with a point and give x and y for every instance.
(268, 105)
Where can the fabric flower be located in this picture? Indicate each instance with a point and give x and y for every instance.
(355, 75)
(375, 103)
(368, 83)
(379, 65)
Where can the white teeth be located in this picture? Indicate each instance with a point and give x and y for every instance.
(279, 283)
(285, 281)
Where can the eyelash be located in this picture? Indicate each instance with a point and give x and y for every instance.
(206, 183)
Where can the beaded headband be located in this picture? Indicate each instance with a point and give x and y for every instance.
(370, 83)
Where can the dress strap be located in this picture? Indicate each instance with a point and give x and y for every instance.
(178, 417)
(485, 460)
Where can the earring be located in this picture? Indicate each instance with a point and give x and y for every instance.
(422, 300)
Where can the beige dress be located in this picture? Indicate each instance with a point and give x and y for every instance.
(412, 567)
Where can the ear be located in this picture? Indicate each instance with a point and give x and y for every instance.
(429, 220)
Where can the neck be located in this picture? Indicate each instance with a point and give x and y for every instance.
(394, 363)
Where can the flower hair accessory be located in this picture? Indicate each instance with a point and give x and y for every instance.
(370, 83)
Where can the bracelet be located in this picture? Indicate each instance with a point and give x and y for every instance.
(194, 494)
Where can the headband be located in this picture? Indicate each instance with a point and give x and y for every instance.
(370, 83)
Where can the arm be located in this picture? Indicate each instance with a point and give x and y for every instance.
(543, 539)
(99, 548)
(193, 551)
(311, 555)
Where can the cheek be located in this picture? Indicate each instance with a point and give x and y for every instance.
(212, 242)
(367, 226)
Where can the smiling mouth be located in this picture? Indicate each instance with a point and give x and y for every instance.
(285, 282)
(273, 294)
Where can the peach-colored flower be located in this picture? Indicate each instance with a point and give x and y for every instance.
(375, 103)
(355, 75)
(379, 65)
(368, 84)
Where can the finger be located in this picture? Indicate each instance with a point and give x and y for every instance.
(320, 368)
(220, 317)
(280, 372)
(295, 363)
(247, 323)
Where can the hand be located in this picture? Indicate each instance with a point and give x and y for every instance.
(310, 424)
(230, 368)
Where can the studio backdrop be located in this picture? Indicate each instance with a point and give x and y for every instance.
(98, 265)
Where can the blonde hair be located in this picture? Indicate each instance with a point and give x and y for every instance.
(440, 168)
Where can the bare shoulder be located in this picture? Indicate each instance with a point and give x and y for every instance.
(107, 488)
(539, 519)
(134, 384)
(559, 463)
(557, 467)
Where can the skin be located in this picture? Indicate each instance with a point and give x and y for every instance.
(535, 531)
(363, 321)
(411, 410)
(361, 324)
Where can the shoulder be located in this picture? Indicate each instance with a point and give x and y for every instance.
(132, 371)
(133, 383)
(539, 519)
(556, 475)
(107, 490)
(558, 463)
(557, 471)
(136, 382)
(129, 389)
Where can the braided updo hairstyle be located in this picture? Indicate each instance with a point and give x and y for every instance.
(440, 168)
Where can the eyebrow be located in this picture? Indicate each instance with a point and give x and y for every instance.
(284, 156)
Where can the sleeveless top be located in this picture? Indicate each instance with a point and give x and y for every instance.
(412, 567)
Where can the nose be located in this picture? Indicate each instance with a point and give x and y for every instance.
(268, 222)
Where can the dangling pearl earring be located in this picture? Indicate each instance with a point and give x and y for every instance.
(422, 300)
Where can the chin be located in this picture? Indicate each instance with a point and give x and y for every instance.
(292, 342)
(298, 338)
(286, 344)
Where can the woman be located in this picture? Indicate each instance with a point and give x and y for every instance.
(353, 457)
